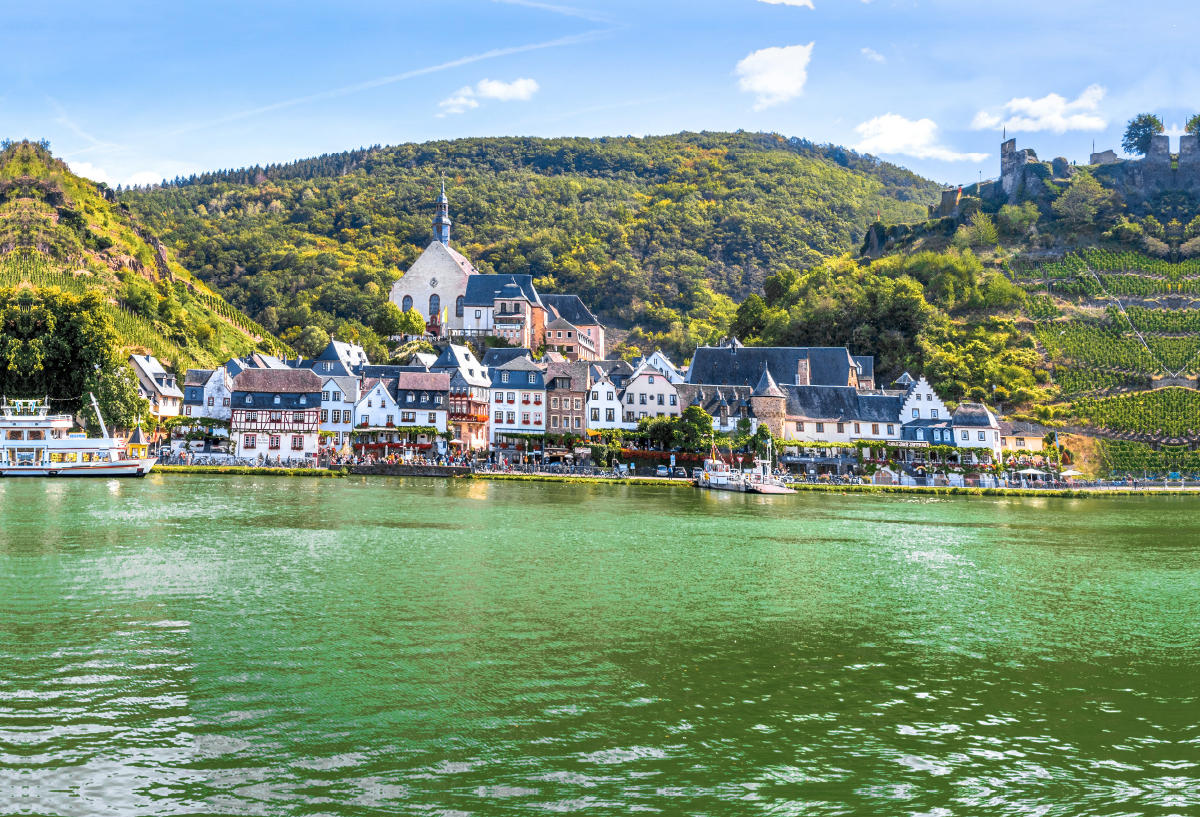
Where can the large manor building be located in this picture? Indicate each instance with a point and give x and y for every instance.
(457, 301)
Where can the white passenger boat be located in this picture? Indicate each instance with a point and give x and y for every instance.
(36, 443)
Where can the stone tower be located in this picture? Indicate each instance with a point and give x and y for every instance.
(441, 218)
(769, 403)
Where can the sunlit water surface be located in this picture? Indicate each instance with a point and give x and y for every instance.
(195, 645)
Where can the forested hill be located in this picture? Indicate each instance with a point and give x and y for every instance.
(660, 232)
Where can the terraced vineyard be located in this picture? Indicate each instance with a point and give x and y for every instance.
(1083, 345)
(135, 330)
(1172, 413)
(1138, 459)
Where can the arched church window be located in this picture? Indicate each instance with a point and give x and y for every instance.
(406, 304)
(458, 306)
(435, 306)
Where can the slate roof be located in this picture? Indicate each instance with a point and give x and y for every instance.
(742, 365)
(498, 356)
(197, 377)
(974, 415)
(350, 354)
(844, 403)
(390, 371)
(1022, 429)
(278, 381)
(423, 381)
(137, 438)
(710, 398)
(455, 358)
(767, 386)
(348, 386)
(867, 363)
(483, 290)
(517, 366)
(577, 372)
(615, 370)
(571, 308)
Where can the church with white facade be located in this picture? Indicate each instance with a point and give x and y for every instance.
(457, 301)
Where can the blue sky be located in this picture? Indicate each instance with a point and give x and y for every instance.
(138, 91)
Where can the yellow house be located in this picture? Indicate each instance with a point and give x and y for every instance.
(1021, 437)
(135, 449)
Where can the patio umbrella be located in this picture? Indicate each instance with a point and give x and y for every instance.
(1071, 473)
(1031, 471)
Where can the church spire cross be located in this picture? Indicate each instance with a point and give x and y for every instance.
(441, 217)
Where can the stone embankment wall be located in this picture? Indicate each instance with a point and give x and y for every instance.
(384, 470)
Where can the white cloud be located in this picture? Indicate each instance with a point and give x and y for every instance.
(892, 133)
(873, 55)
(98, 174)
(462, 100)
(1052, 112)
(90, 171)
(807, 3)
(467, 98)
(775, 75)
(522, 89)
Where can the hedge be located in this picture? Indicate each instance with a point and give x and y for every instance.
(247, 471)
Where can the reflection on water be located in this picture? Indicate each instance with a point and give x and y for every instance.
(286, 646)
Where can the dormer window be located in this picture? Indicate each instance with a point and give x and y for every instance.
(303, 399)
(412, 397)
(277, 400)
(531, 378)
(503, 377)
(326, 366)
(249, 399)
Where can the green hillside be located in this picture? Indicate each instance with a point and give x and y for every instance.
(661, 233)
(60, 230)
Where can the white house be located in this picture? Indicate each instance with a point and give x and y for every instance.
(649, 393)
(518, 401)
(603, 407)
(158, 386)
(661, 362)
(922, 403)
(338, 398)
(207, 393)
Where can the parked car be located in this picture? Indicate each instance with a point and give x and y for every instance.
(681, 473)
(663, 471)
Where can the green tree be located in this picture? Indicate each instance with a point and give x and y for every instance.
(983, 230)
(751, 318)
(390, 320)
(1193, 124)
(309, 341)
(1018, 219)
(1139, 132)
(1082, 201)
(51, 342)
(120, 404)
(693, 430)
(659, 431)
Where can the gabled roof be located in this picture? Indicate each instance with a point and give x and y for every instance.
(278, 381)
(483, 290)
(578, 373)
(571, 308)
(560, 323)
(137, 437)
(842, 403)
(347, 385)
(423, 381)
(390, 371)
(521, 364)
(866, 364)
(499, 356)
(712, 398)
(974, 415)
(197, 377)
(1022, 429)
(422, 359)
(741, 365)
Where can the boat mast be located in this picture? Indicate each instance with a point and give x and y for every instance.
(96, 406)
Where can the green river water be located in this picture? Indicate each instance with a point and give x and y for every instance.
(264, 645)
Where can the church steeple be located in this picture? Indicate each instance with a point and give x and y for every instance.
(441, 218)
